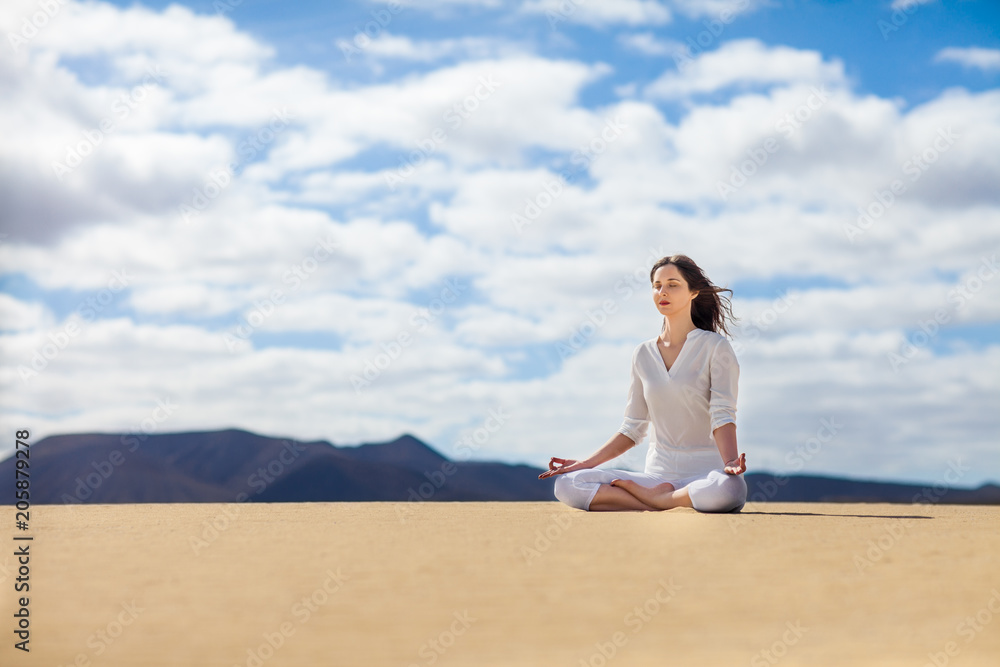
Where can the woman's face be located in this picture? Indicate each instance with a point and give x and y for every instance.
(670, 291)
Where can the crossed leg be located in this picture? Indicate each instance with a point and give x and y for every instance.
(662, 496)
(611, 498)
(590, 489)
(716, 491)
(600, 489)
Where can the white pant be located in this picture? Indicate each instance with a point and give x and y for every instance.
(714, 491)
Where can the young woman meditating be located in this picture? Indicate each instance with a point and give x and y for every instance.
(684, 383)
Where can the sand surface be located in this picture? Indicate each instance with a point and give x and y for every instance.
(506, 584)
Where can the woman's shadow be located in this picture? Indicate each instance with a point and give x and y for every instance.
(859, 516)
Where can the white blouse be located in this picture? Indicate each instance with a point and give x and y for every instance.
(684, 404)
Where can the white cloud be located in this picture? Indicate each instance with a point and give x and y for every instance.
(18, 315)
(437, 4)
(401, 47)
(649, 44)
(645, 185)
(746, 63)
(599, 13)
(715, 8)
(908, 4)
(972, 56)
(141, 169)
(462, 111)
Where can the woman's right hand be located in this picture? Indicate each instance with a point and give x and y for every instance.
(737, 466)
(558, 466)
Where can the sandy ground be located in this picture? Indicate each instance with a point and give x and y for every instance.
(506, 584)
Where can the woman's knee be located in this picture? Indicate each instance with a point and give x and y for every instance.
(736, 491)
(722, 493)
(573, 492)
(560, 488)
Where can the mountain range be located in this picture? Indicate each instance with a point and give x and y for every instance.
(235, 466)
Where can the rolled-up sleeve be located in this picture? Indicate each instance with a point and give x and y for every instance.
(725, 376)
(636, 412)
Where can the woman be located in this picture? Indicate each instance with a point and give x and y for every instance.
(684, 382)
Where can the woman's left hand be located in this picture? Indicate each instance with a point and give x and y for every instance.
(737, 466)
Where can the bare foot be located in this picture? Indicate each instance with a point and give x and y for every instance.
(626, 484)
(648, 495)
(629, 484)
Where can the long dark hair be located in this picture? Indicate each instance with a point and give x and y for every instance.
(710, 309)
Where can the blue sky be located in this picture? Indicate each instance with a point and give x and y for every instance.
(372, 222)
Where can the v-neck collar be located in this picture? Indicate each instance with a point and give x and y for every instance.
(684, 347)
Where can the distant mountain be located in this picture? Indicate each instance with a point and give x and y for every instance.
(812, 488)
(234, 465)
